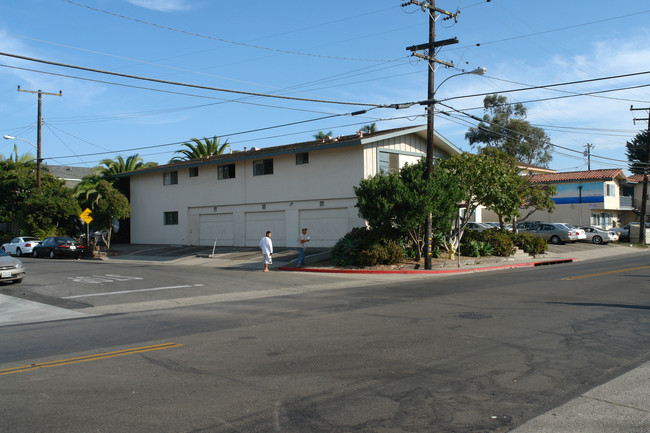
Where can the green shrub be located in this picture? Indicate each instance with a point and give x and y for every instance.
(500, 242)
(363, 247)
(471, 248)
(531, 244)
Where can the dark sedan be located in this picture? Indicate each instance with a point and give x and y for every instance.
(58, 246)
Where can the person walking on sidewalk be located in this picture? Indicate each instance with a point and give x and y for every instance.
(302, 240)
(267, 250)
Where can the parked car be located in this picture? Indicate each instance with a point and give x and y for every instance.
(527, 225)
(597, 235)
(479, 227)
(20, 245)
(58, 246)
(582, 235)
(554, 233)
(11, 269)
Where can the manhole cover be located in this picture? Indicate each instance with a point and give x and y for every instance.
(475, 316)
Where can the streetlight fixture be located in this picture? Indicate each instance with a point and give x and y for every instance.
(38, 159)
(431, 102)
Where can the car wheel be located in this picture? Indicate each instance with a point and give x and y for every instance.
(52, 254)
(18, 281)
(597, 240)
(19, 252)
(35, 253)
(555, 240)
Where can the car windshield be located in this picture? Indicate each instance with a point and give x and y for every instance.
(29, 238)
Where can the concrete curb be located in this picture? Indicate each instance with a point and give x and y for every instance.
(430, 271)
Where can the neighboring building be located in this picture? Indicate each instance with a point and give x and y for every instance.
(634, 189)
(595, 197)
(71, 175)
(234, 199)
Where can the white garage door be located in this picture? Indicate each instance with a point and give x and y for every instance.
(258, 223)
(325, 226)
(216, 226)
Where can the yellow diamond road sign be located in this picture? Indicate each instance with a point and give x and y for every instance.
(85, 215)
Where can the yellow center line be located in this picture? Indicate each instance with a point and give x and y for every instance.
(88, 358)
(606, 273)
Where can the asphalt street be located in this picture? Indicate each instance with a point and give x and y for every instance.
(560, 348)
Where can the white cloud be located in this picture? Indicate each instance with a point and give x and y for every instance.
(163, 5)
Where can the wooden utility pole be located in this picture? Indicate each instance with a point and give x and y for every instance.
(644, 194)
(39, 159)
(589, 146)
(431, 9)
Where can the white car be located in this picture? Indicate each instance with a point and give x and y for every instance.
(582, 235)
(21, 245)
(599, 236)
(11, 269)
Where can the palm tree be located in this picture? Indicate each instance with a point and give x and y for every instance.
(321, 135)
(369, 129)
(111, 167)
(201, 149)
(25, 157)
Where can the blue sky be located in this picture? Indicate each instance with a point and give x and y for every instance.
(342, 51)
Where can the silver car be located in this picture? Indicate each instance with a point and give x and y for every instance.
(11, 269)
(554, 233)
(597, 235)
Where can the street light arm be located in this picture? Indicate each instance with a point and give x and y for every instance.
(477, 71)
(10, 137)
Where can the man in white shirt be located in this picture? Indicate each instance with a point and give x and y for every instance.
(267, 250)
(302, 239)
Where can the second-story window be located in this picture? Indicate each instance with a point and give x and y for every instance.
(262, 167)
(302, 158)
(170, 178)
(194, 171)
(226, 171)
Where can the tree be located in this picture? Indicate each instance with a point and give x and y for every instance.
(322, 136)
(110, 205)
(119, 165)
(51, 210)
(201, 149)
(505, 128)
(536, 197)
(369, 129)
(395, 204)
(638, 154)
(490, 178)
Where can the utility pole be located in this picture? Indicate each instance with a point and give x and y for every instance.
(644, 194)
(589, 146)
(431, 9)
(38, 130)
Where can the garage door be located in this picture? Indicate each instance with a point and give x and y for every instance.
(216, 226)
(258, 223)
(326, 226)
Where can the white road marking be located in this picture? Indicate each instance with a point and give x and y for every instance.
(132, 291)
(108, 278)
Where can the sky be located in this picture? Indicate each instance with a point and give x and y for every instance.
(322, 61)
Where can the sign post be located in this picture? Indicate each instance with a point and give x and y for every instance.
(86, 216)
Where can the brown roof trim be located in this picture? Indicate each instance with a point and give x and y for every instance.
(605, 174)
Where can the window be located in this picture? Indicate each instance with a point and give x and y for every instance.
(262, 167)
(194, 171)
(226, 171)
(302, 158)
(610, 190)
(393, 163)
(171, 218)
(170, 178)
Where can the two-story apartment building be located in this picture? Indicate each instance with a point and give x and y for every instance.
(594, 197)
(234, 199)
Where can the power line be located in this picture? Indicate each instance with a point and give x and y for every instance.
(244, 44)
(566, 83)
(176, 83)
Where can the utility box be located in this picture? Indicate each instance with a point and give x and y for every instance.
(634, 233)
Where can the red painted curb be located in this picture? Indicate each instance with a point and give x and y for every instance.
(430, 271)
